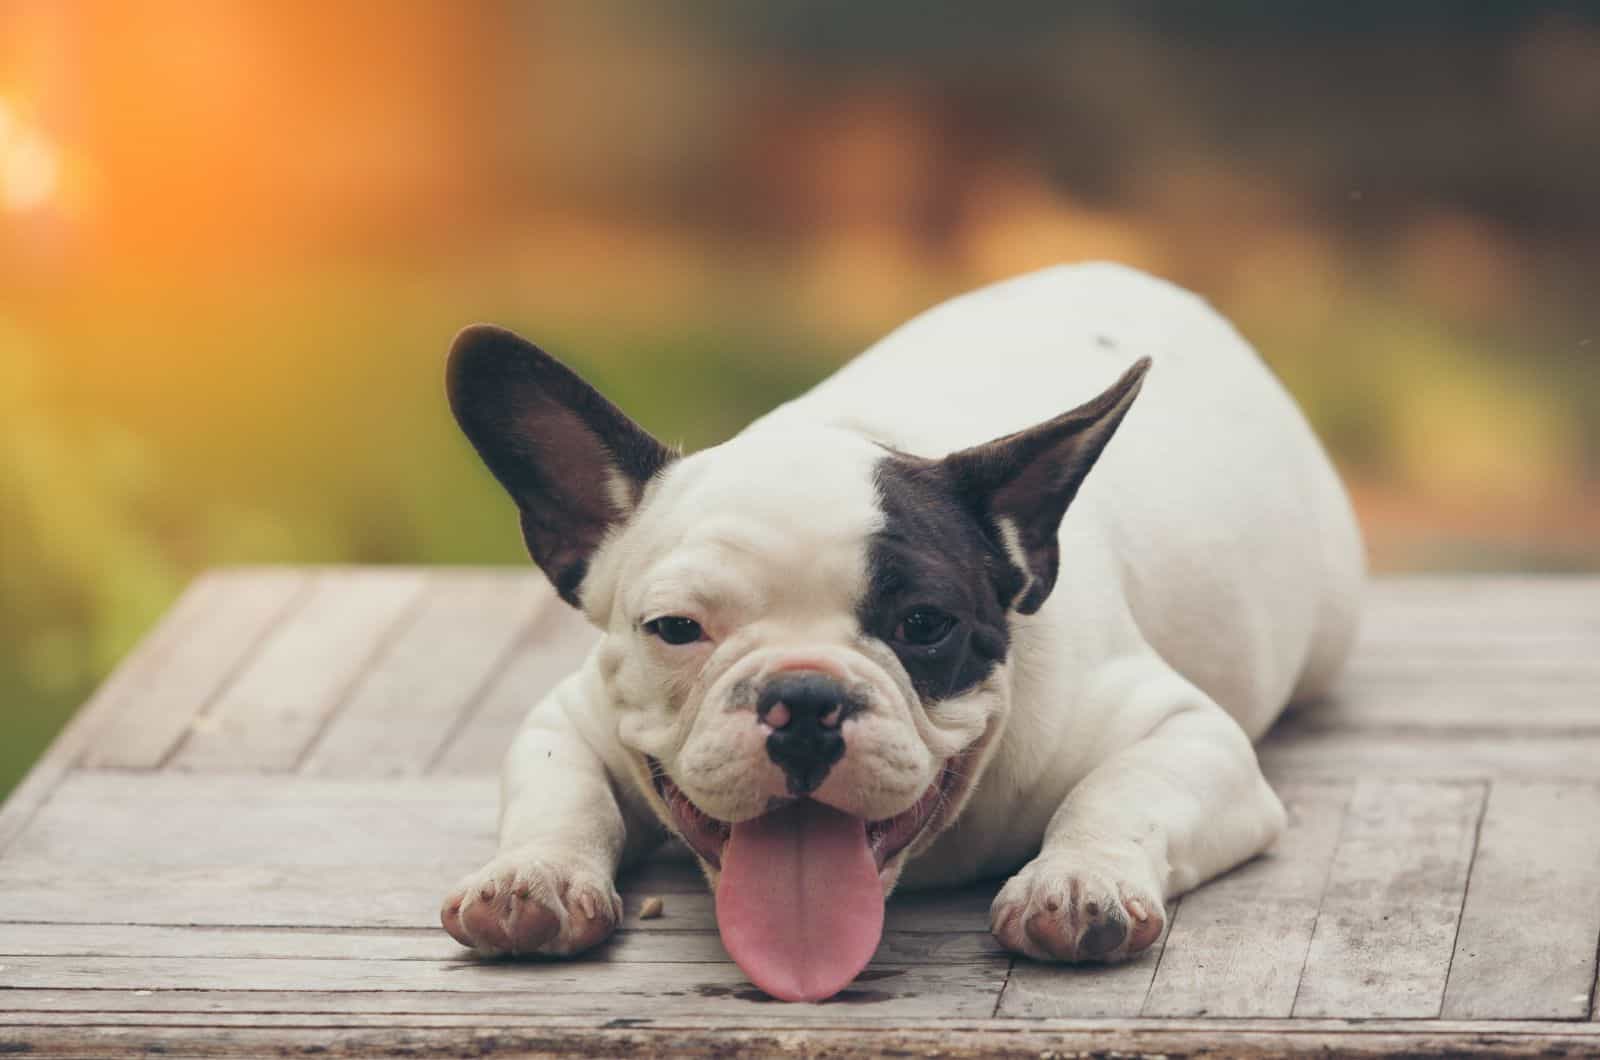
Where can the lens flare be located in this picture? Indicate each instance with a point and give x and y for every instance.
(30, 168)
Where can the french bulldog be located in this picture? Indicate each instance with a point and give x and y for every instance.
(1012, 593)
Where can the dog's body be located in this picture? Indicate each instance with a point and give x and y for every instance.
(1092, 726)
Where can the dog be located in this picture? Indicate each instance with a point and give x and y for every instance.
(1010, 594)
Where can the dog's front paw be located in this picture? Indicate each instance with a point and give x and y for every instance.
(1067, 907)
(528, 904)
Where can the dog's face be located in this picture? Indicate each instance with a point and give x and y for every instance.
(799, 615)
(778, 629)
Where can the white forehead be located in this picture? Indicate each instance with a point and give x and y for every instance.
(777, 515)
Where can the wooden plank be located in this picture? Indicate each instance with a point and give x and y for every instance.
(123, 848)
(670, 870)
(142, 822)
(410, 701)
(392, 895)
(629, 946)
(541, 979)
(1387, 923)
(1238, 948)
(1201, 1035)
(184, 848)
(1036, 990)
(60, 941)
(826, 1034)
(1484, 601)
(148, 685)
(273, 710)
(966, 988)
(1296, 750)
(190, 661)
(1503, 655)
(1526, 948)
(1445, 700)
(553, 649)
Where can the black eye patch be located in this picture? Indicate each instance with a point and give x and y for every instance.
(932, 556)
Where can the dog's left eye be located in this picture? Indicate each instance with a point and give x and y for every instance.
(675, 629)
(924, 626)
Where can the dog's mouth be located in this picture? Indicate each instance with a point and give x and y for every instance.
(707, 835)
(800, 889)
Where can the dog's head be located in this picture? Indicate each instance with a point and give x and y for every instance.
(799, 617)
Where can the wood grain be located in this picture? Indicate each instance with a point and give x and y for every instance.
(404, 708)
(274, 709)
(1531, 923)
(557, 988)
(161, 691)
(1455, 702)
(144, 706)
(1387, 921)
(657, 945)
(850, 1035)
(1296, 750)
(1239, 945)
(552, 649)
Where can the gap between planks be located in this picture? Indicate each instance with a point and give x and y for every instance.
(426, 679)
(278, 702)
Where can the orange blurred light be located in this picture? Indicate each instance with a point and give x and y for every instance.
(30, 168)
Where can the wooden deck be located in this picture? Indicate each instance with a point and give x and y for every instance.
(240, 847)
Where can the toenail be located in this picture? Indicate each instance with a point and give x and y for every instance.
(1053, 904)
(1138, 910)
(587, 904)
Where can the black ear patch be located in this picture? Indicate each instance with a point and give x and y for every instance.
(1025, 481)
(573, 462)
(931, 552)
(942, 543)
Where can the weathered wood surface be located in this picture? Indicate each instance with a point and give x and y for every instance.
(461, 634)
(454, 1037)
(1387, 920)
(272, 711)
(239, 848)
(1534, 899)
(1238, 945)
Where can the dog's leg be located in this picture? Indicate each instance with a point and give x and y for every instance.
(563, 834)
(1168, 811)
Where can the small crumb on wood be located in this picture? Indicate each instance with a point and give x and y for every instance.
(651, 908)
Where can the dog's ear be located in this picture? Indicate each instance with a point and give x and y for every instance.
(1019, 486)
(575, 465)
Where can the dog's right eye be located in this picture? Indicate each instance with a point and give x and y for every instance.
(924, 627)
(675, 629)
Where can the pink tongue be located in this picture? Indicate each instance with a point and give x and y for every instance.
(799, 903)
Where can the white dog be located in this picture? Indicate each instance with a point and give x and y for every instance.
(896, 631)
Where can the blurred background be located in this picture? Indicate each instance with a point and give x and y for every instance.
(236, 238)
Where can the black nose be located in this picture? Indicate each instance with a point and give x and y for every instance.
(805, 709)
